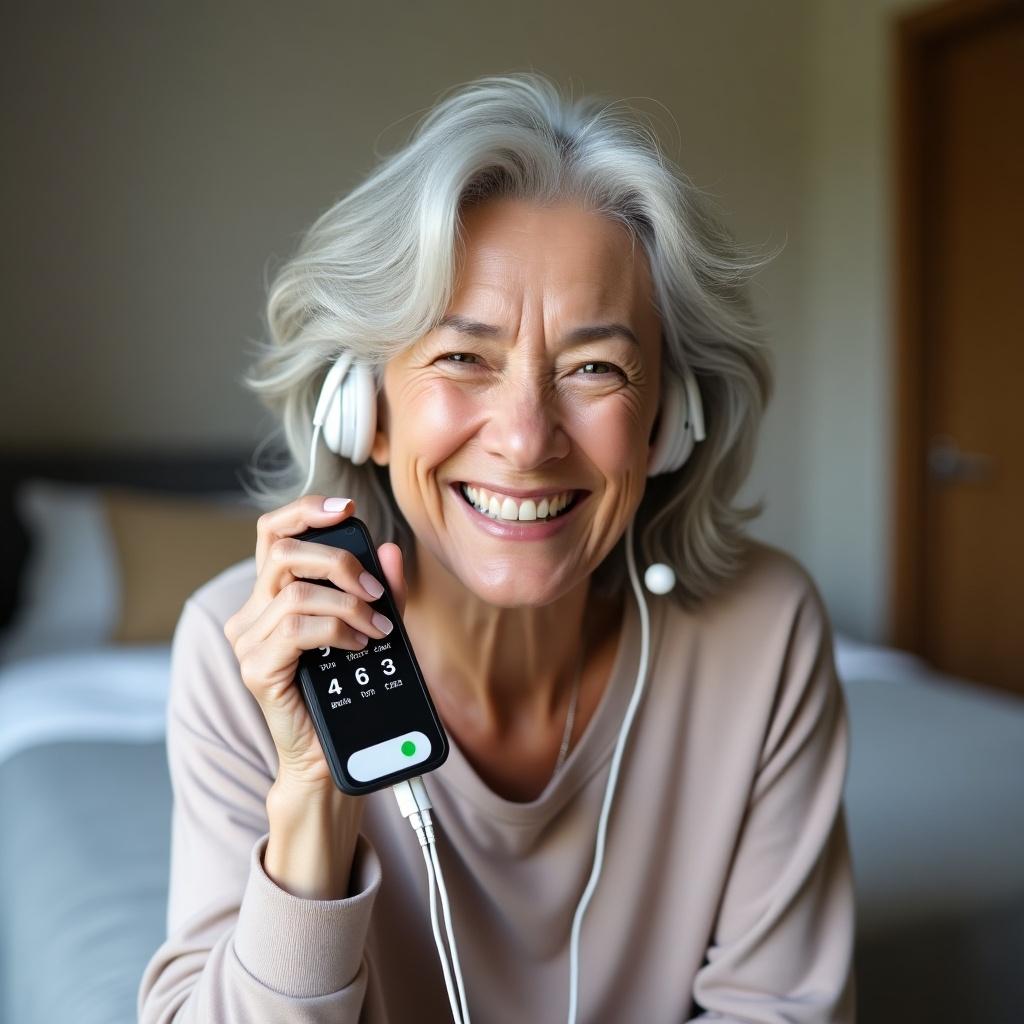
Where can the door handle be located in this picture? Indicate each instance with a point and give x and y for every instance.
(946, 463)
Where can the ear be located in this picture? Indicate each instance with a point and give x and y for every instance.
(380, 450)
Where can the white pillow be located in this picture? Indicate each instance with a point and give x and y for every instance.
(108, 693)
(69, 595)
(71, 588)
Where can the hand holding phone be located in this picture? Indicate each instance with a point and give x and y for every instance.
(286, 614)
(370, 706)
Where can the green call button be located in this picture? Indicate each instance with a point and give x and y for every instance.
(408, 748)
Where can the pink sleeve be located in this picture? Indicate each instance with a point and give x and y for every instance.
(238, 947)
(782, 947)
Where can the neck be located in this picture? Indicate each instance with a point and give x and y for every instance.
(499, 666)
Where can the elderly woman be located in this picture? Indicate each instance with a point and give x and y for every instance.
(562, 357)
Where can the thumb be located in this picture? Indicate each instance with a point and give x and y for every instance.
(393, 564)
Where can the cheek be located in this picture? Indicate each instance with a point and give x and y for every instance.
(612, 435)
(430, 423)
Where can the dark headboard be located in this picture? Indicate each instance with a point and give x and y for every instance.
(185, 472)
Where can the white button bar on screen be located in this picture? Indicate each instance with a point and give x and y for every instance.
(390, 756)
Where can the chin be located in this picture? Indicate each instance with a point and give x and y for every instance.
(508, 588)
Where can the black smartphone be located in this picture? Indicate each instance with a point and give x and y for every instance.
(371, 708)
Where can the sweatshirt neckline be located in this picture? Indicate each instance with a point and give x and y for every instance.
(591, 751)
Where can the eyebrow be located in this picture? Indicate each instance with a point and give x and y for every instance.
(594, 332)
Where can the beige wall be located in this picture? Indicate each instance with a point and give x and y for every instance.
(164, 158)
(846, 301)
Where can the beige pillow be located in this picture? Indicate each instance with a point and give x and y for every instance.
(167, 546)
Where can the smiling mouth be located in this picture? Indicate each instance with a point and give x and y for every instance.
(503, 508)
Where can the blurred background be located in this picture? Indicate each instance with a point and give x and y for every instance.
(162, 159)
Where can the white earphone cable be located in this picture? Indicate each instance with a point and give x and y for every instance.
(452, 1001)
(456, 966)
(419, 792)
(613, 774)
(414, 803)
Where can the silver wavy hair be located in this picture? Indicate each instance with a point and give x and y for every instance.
(376, 270)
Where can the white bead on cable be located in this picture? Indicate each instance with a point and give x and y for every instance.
(659, 578)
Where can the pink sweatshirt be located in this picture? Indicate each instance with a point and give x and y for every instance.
(727, 890)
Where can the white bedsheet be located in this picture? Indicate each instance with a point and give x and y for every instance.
(102, 693)
(856, 660)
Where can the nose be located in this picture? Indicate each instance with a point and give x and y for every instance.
(525, 424)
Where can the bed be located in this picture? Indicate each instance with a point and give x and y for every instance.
(933, 801)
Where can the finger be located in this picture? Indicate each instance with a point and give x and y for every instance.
(393, 563)
(291, 558)
(301, 600)
(297, 634)
(284, 646)
(295, 517)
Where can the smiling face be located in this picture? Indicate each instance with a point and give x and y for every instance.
(510, 403)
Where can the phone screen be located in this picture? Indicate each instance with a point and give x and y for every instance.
(371, 708)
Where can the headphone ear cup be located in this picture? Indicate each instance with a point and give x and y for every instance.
(681, 424)
(362, 392)
(351, 417)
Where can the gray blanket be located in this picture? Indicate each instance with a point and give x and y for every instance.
(83, 879)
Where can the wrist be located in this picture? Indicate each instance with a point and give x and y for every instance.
(313, 836)
(290, 791)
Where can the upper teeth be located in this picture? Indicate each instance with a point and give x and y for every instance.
(501, 506)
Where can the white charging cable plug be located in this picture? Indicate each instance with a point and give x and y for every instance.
(414, 803)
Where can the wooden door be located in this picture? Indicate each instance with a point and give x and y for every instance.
(959, 588)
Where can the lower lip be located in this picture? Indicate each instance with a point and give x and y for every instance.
(509, 529)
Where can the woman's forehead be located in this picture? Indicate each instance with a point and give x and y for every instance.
(576, 265)
(515, 237)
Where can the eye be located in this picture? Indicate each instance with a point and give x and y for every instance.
(595, 368)
(458, 357)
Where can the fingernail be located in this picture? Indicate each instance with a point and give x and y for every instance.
(362, 639)
(382, 622)
(370, 585)
(336, 504)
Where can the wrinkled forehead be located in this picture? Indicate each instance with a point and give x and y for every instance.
(521, 260)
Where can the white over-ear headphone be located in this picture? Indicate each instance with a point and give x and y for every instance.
(346, 412)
